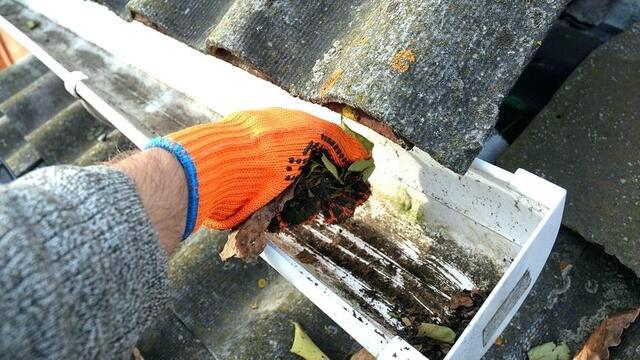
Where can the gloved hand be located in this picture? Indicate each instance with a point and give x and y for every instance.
(239, 164)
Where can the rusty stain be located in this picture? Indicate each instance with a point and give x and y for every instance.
(331, 81)
(563, 265)
(370, 122)
(148, 22)
(401, 60)
(500, 341)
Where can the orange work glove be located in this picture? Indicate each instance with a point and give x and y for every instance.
(239, 164)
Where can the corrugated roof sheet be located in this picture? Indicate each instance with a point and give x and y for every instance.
(434, 72)
(36, 109)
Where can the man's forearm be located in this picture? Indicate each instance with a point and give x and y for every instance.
(82, 269)
(161, 184)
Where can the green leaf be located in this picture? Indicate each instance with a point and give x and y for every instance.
(563, 351)
(332, 168)
(304, 347)
(32, 24)
(437, 332)
(314, 165)
(549, 351)
(361, 165)
(363, 140)
(367, 173)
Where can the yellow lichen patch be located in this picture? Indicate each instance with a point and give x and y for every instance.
(331, 81)
(262, 283)
(349, 112)
(401, 60)
(363, 40)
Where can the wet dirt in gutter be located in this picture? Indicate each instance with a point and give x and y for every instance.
(415, 293)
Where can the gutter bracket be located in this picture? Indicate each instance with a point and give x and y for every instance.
(71, 82)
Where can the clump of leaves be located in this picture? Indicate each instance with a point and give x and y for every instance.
(321, 189)
(327, 190)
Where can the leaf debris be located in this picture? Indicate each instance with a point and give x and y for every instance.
(363, 354)
(607, 335)
(437, 332)
(304, 347)
(250, 238)
(549, 351)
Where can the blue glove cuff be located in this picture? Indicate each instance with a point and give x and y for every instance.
(183, 157)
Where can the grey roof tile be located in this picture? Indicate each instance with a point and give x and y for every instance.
(434, 72)
(586, 140)
(16, 77)
(233, 318)
(17, 153)
(34, 105)
(41, 124)
(105, 148)
(67, 135)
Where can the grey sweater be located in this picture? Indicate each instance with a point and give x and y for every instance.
(81, 270)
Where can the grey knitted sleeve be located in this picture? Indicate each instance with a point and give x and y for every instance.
(82, 272)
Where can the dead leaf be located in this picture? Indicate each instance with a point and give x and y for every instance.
(248, 241)
(406, 321)
(306, 257)
(461, 299)
(363, 354)
(437, 332)
(466, 299)
(136, 354)
(304, 347)
(499, 341)
(549, 351)
(606, 335)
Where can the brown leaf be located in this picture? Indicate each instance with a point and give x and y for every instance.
(406, 321)
(461, 299)
(363, 354)
(465, 298)
(136, 354)
(306, 257)
(251, 237)
(606, 335)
